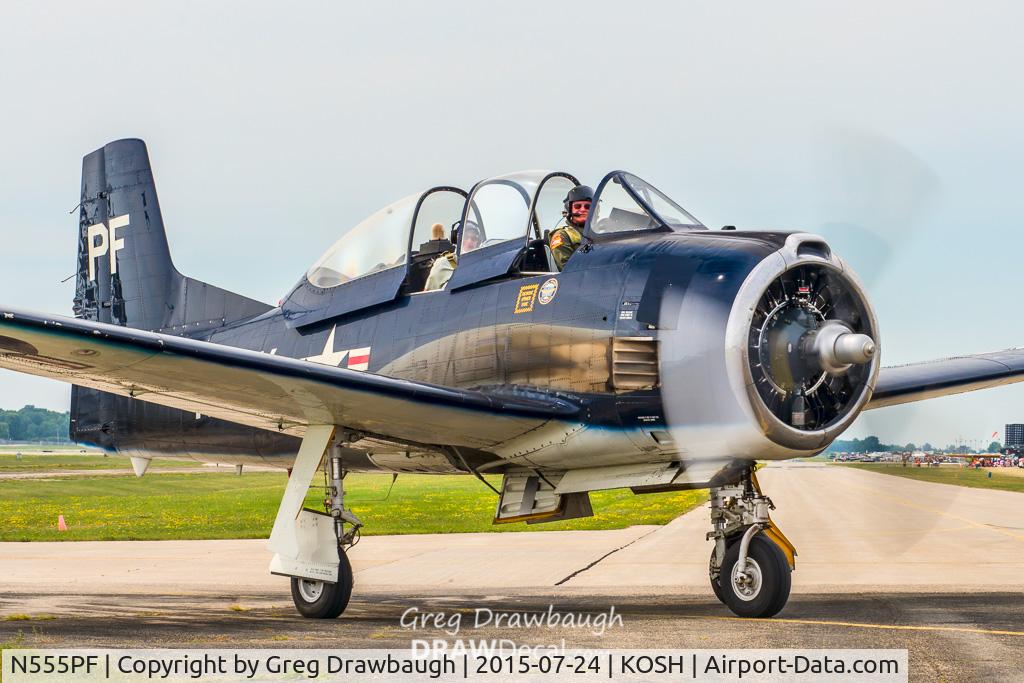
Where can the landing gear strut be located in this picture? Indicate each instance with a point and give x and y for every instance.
(752, 560)
(310, 545)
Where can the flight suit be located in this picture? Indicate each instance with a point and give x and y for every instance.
(563, 242)
(441, 271)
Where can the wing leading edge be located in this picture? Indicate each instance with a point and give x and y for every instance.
(262, 390)
(931, 379)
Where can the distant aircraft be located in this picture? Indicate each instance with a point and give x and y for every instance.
(664, 356)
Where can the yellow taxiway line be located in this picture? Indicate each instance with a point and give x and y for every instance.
(854, 624)
(910, 504)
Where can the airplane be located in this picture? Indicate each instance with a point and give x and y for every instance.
(663, 356)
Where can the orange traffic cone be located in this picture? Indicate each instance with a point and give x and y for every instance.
(61, 524)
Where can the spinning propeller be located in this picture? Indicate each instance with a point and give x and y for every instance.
(810, 344)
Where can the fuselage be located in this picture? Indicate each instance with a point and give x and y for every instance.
(591, 332)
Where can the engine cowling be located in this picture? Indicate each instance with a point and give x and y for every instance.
(774, 366)
(803, 340)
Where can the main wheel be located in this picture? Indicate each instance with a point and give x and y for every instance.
(762, 588)
(320, 600)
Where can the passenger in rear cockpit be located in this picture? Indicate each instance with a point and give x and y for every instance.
(445, 264)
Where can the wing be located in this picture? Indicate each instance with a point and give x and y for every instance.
(262, 390)
(921, 381)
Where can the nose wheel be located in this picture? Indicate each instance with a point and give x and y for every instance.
(759, 587)
(752, 562)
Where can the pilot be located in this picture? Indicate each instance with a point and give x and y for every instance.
(566, 239)
(445, 264)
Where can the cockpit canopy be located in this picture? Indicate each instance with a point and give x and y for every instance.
(498, 229)
(518, 206)
(514, 208)
(388, 238)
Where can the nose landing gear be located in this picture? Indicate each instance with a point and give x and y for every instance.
(752, 560)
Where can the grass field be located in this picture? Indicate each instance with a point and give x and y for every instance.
(960, 476)
(57, 462)
(40, 447)
(215, 505)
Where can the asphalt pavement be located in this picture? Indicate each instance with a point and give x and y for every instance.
(883, 562)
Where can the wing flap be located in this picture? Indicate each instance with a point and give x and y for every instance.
(931, 379)
(262, 390)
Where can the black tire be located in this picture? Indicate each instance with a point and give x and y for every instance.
(716, 584)
(775, 580)
(716, 588)
(319, 600)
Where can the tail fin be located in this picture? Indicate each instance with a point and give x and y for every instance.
(126, 277)
(125, 273)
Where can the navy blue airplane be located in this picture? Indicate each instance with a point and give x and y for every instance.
(663, 356)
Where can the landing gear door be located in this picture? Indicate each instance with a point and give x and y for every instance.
(527, 496)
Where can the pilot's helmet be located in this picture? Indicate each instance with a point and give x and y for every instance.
(472, 231)
(579, 193)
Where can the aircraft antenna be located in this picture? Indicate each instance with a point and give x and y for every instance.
(394, 478)
(472, 469)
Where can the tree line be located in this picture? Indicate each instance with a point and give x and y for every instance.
(34, 424)
(872, 444)
(39, 424)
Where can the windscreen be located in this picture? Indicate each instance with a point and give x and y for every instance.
(670, 213)
(626, 203)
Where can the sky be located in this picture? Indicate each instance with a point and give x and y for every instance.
(892, 129)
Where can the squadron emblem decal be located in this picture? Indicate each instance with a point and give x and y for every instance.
(527, 295)
(547, 291)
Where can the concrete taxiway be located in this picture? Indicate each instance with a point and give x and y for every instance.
(883, 562)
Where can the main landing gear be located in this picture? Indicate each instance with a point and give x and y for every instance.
(752, 560)
(309, 545)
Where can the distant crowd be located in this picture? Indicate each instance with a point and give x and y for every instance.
(920, 459)
(1002, 461)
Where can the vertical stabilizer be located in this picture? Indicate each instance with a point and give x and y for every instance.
(125, 273)
(124, 266)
